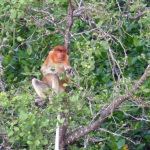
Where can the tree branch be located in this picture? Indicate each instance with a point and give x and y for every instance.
(3, 134)
(69, 24)
(109, 110)
(133, 18)
(78, 12)
(51, 21)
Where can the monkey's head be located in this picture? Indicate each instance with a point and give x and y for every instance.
(60, 53)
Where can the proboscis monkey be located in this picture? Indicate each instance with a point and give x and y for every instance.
(56, 64)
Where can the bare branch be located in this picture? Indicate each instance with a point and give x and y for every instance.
(69, 24)
(1, 68)
(2, 46)
(133, 18)
(3, 134)
(138, 119)
(115, 134)
(50, 20)
(41, 11)
(78, 12)
(96, 140)
(56, 27)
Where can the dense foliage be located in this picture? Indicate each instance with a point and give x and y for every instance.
(109, 53)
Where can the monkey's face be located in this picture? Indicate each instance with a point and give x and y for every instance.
(59, 56)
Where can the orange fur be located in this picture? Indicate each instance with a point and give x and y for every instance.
(59, 60)
(59, 51)
(56, 64)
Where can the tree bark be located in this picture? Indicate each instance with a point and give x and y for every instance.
(69, 24)
(1, 83)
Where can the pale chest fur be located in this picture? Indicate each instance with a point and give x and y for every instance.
(59, 67)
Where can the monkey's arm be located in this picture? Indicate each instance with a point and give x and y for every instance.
(67, 66)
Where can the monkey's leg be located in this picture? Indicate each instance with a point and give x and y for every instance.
(55, 83)
(61, 86)
(39, 87)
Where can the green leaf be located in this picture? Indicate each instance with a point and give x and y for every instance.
(36, 46)
(121, 143)
(22, 1)
(16, 128)
(44, 141)
(133, 8)
(20, 39)
(104, 44)
(29, 142)
(26, 69)
(10, 133)
(137, 125)
(113, 146)
(45, 123)
(31, 138)
(65, 111)
(86, 71)
(74, 98)
(83, 63)
(37, 142)
(12, 139)
(65, 84)
(37, 74)
(23, 115)
(40, 136)
(99, 24)
(21, 134)
(49, 1)
(61, 121)
(20, 14)
(26, 73)
(13, 13)
(136, 41)
(141, 147)
(112, 137)
(6, 60)
(29, 50)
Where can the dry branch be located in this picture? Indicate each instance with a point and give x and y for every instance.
(69, 23)
(138, 16)
(3, 134)
(78, 12)
(50, 20)
(1, 68)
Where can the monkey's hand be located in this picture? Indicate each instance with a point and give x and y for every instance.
(68, 69)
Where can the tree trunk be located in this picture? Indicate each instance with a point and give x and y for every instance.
(61, 131)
